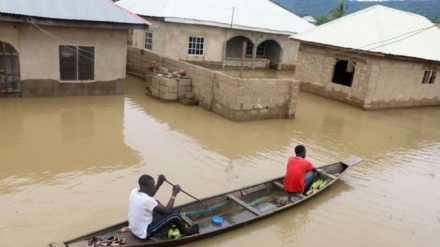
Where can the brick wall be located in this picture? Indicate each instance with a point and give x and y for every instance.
(234, 98)
(378, 82)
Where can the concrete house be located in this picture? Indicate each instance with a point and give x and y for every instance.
(63, 47)
(310, 19)
(212, 32)
(375, 58)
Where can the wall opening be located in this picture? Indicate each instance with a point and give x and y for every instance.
(343, 72)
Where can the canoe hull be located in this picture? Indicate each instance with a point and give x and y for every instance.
(237, 208)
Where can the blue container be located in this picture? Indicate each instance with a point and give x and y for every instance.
(217, 220)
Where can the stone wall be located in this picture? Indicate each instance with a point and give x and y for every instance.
(234, 98)
(378, 82)
(396, 83)
(171, 89)
(315, 70)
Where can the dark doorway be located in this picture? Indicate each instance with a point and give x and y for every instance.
(271, 50)
(234, 47)
(343, 72)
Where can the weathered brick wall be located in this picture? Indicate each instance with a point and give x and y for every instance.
(170, 89)
(396, 83)
(315, 71)
(378, 82)
(138, 60)
(234, 98)
(249, 99)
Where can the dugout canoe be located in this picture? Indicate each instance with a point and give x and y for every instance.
(236, 208)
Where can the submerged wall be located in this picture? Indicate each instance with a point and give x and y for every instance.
(234, 98)
(378, 82)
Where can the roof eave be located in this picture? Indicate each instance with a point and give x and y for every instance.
(226, 25)
(372, 53)
(71, 23)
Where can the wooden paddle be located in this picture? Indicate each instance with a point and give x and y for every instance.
(185, 192)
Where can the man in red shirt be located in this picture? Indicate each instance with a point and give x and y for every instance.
(300, 173)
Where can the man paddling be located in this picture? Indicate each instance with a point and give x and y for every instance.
(143, 207)
(300, 173)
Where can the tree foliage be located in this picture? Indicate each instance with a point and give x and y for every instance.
(338, 11)
(317, 8)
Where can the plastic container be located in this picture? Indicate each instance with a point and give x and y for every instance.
(217, 220)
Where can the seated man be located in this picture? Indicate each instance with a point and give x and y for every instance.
(300, 173)
(142, 207)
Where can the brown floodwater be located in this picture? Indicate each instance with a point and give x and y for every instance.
(68, 164)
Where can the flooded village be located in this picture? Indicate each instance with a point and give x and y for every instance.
(216, 95)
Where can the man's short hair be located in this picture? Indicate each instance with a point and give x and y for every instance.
(145, 180)
(300, 149)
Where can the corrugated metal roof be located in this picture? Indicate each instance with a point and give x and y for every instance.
(76, 10)
(255, 15)
(380, 29)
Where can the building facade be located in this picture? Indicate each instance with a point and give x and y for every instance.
(43, 53)
(366, 80)
(217, 47)
(376, 58)
(219, 33)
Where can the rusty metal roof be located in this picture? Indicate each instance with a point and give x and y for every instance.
(71, 10)
(381, 30)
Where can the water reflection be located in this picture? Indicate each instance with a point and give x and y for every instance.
(42, 137)
(78, 157)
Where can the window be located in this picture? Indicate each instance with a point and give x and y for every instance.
(249, 48)
(261, 49)
(148, 40)
(77, 63)
(9, 69)
(429, 77)
(343, 72)
(196, 45)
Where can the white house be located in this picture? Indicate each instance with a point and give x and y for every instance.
(378, 57)
(213, 31)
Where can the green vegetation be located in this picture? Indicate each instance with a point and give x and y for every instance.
(338, 11)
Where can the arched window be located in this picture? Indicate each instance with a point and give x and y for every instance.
(9, 69)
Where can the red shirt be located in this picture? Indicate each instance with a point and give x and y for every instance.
(296, 169)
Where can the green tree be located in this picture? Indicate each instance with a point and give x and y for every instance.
(321, 20)
(338, 11)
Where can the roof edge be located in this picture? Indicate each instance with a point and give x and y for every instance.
(373, 53)
(225, 25)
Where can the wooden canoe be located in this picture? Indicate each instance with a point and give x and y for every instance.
(237, 208)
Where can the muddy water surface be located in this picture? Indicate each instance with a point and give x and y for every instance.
(69, 163)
